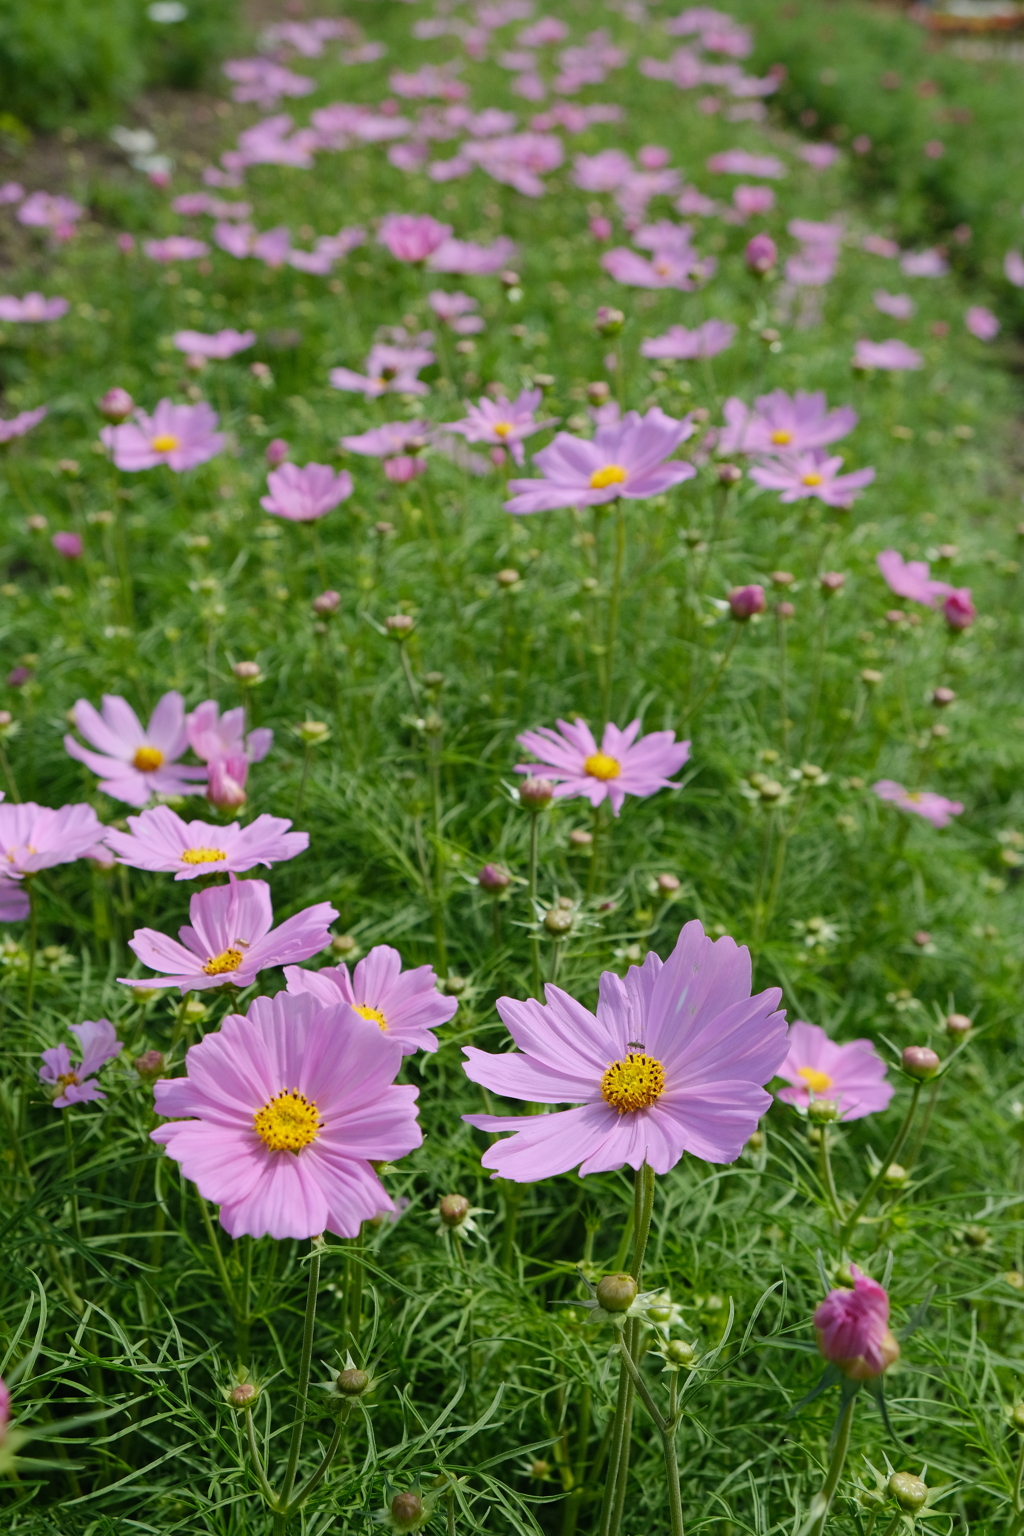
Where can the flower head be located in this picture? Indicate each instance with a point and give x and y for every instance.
(982, 323)
(175, 248)
(230, 939)
(899, 305)
(134, 763)
(502, 422)
(412, 237)
(853, 1074)
(220, 741)
(679, 267)
(958, 609)
(180, 436)
(405, 1005)
(783, 424)
(911, 579)
(672, 1062)
(920, 802)
(894, 356)
(220, 345)
(389, 370)
(97, 1043)
(34, 837)
(70, 545)
(17, 426)
(303, 495)
(282, 1113)
(621, 766)
(706, 340)
(456, 310)
(797, 476)
(761, 254)
(626, 459)
(32, 309)
(853, 1328)
(161, 841)
(390, 440)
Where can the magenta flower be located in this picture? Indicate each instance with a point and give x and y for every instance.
(958, 609)
(463, 258)
(706, 340)
(740, 162)
(161, 841)
(799, 475)
(389, 369)
(34, 837)
(43, 210)
(666, 269)
(752, 200)
(982, 323)
(457, 311)
(14, 902)
(134, 763)
(910, 579)
(220, 741)
(781, 422)
(761, 254)
(98, 1043)
(673, 1062)
(899, 305)
(32, 309)
(68, 544)
(180, 436)
(175, 248)
(406, 1005)
(303, 495)
(230, 939)
(502, 422)
(894, 356)
(930, 263)
(818, 156)
(621, 766)
(17, 426)
(412, 237)
(389, 440)
(853, 1328)
(1013, 267)
(286, 1111)
(625, 459)
(745, 602)
(852, 1075)
(920, 802)
(220, 345)
(878, 245)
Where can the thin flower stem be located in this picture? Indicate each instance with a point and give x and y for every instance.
(532, 894)
(1018, 1483)
(410, 681)
(716, 677)
(613, 609)
(827, 1176)
(69, 1143)
(316, 1478)
(8, 775)
(891, 1157)
(780, 629)
(618, 1461)
(354, 1291)
(894, 1525)
(595, 849)
(822, 1502)
(302, 1390)
(257, 1461)
(667, 1430)
(33, 937)
(218, 1259)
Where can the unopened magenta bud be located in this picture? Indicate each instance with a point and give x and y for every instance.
(453, 1210)
(493, 878)
(149, 1065)
(352, 1382)
(598, 392)
(831, 582)
(908, 1491)
(761, 254)
(617, 1293)
(244, 1395)
(276, 451)
(785, 610)
(509, 279)
(68, 544)
(608, 321)
(920, 1061)
(116, 404)
(327, 602)
(536, 794)
(744, 602)
(406, 1511)
(403, 468)
(958, 1025)
(398, 625)
(960, 613)
(729, 474)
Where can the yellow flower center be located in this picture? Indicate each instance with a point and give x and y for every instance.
(611, 474)
(202, 855)
(227, 960)
(782, 437)
(663, 268)
(288, 1122)
(636, 1083)
(502, 428)
(164, 442)
(817, 1082)
(601, 766)
(147, 759)
(913, 794)
(811, 478)
(375, 1014)
(67, 1078)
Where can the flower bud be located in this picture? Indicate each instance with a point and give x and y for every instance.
(852, 1325)
(822, 1111)
(782, 578)
(344, 944)
(598, 392)
(976, 1237)
(609, 322)
(262, 374)
(493, 878)
(679, 1352)
(398, 625)
(149, 1065)
(276, 451)
(244, 1395)
(225, 785)
(579, 837)
(831, 582)
(383, 529)
(327, 602)
(193, 1011)
(958, 1025)
(406, 1511)
(895, 1175)
(116, 404)
(908, 1491)
(454, 986)
(247, 672)
(942, 697)
(1017, 1415)
(313, 732)
(744, 602)
(352, 1382)
(920, 1061)
(558, 921)
(453, 1210)
(617, 1293)
(36, 522)
(508, 278)
(507, 577)
(785, 610)
(536, 794)
(761, 254)
(540, 1469)
(68, 544)
(870, 678)
(668, 884)
(729, 474)
(403, 468)
(960, 613)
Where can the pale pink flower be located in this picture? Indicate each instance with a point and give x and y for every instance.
(46, 211)
(665, 269)
(11, 192)
(797, 476)
(780, 422)
(852, 1075)
(706, 340)
(389, 440)
(740, 162)
(180, 436)
(893, 355)
(14, 902)
(160, 841)
(282, 1115)
(230, 939)
(673, 1061)
(853, 1328)
(264, 82)
(98, 1044)
(34, 837)
(761, 254)
(982, 323)
(899, 305)
(911, 579)
(17, 426)
(389, 370)
(958, 609)
(175, 248)
(303, 495)
(930, 263)
(502, 422)
(220, 345)
(134, 763)
(464, 258)
(695, 204)
(919, 802)
(220, 742)
(752, 200)
(878, 245)
(626, 459)
(456, 310)
(406, 1005)
(621, 766)
(32, 309)
(412, 237)
(603, 172)
(69, 545)
(818, 156)
(1013, 266)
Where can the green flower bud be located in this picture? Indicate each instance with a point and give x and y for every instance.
(908, 1491)
(617, 1293)
(352, 1382)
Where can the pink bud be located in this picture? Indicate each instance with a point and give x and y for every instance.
(535, 794)
(653, 157)
(744, 602)
(403, 468)
(399, 624)
(276, 451)
(225, 787)
(160, 178)
(785, 610)
(761, 254)
(327, 602)
(493, 878)
(498, 457)
(601, 228)
(853, 1328)
(195, 362)
(920, 1061)
(116, 404)
(831, 581)
(960, 612)
(126, 244)
(68, 544)
(861, 145)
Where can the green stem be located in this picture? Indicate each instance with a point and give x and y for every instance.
(532, 894)
(1018, 1482)
(891, 1157)
(434, 767)
(257, 1461)
(717, 676)
(595, 849)
(894, 1525)
(316, 1478)
(781, 623)
(302, 1390)
(218, 1260)
(618, 1461)
(33, 935)
(827, 1176)
(667, 1430)
(613, 609)
(354, 1291)
(69, 1143)
(820, 1505)
(410, 681)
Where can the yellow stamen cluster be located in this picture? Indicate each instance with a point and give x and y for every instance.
(610, 474)
(203, 855)
(600, 766)
(164, 442)
(147, 759)
(782, 437)
(288, 1122)
(227, 960)
(373, 1014)
(811, 478)
(501, 428)
(635, 1083)
(817, 1082)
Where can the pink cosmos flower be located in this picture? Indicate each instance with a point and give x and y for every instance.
(958, 609)
(673, 1062)
(761, 254)
(665, 269)
(389, 440)
(900, 305)
(920, 802)
(853, 1328)
(924, 264)
(878, 245)
(11, 192)
(69, 545)
(621, 766)
(14, 902)
(693, 203)
(34, 837)
(911, 579)
(1013, 267)
(175, 248)
(33, 308)
(463, 258)
(893, 355)
(502, 422)
(818, 156)
(412, 237)
(220, 741)
(706, 340)
(982, 323)
(303, 495)
(134, 763)
(220, 345)
(159, 840)
(780, 422)
(180, 436)
(46, 211)
(405, 1005)
(389, 370)
(740, 162)
(814, 473)
(456, 310)
(17, 426)
(230, 940)
(852, 1075)
(98, 1043)
(286, 1110)
(752, 200)
(625, 459)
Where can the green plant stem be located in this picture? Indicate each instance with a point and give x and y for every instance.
(440, 939)
(218, 1260)
(780, 630)
(614, 599)
(717, 676)
(618, 1460)
(33, 939)
(354, 1291)
(894, 1525)
(1018, 1484)
(316, 1478)
(667, 1430)
(410, 681)
(891, 1157)
(596, 828)
(532, 894)
(822, 1502)
(257, 1461)
(827, 1176)
(302, 1389)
